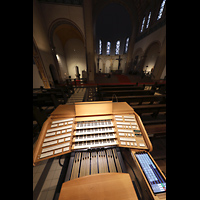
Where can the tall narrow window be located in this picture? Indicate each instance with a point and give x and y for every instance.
(117, 47)
(100, 47)
(161, 9)
(149, 17)
(126, 46)
(108, 48)
(143, 21)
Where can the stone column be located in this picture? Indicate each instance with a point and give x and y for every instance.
(160, 62)
(88, 20)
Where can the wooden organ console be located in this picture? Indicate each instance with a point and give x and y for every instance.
(94, 132)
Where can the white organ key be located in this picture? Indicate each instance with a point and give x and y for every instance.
(58, 132)
(130, 120)
(66, 149)
(67, 139)
(58, 129)
(71, 122)
(134, 123)
(118, 116)
(63, 120)
(95, 138)
(55, 147)
(85, 126)
(93, 131)
(49, 143)
(121, 134)
(57, 137)
(119, 126)
(125, 130)
(58, 151)
(127, 139)
(54, 125)
(46, 154)
(130, 116)
(142, 145)
(98, 144)
(69, 130)
(128, 143)
(131, 143)
(123, 123)
(61, 124)
(63, 131)
(118, 119)
(61, 140)
(123, 143)
(50, 134)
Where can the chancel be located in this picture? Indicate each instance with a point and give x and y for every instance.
(99, 99)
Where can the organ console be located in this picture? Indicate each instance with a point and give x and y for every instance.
(94, 132)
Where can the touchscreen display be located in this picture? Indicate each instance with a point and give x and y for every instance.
(155, 179)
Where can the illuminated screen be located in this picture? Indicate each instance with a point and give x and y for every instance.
(154, 177)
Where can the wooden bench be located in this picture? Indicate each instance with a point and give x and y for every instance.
(110, 93)
(154, 108)
(140, 99)
(156, 130)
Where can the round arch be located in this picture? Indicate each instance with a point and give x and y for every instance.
(150, 55)
(61, 21)
(151, 44)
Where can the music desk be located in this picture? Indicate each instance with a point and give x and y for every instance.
(105, 186)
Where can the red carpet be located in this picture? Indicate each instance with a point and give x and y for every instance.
(122, 78)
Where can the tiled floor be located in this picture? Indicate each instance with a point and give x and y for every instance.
(77, 96)
(49, 186)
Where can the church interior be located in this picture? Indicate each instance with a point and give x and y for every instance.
(108, 57)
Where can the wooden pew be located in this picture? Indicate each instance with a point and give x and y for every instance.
(119, 87)
(140, 99)
(156, 130)
(154, 108)
(44, 100)
(109, 93)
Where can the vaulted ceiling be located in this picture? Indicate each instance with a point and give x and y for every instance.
(66, 32)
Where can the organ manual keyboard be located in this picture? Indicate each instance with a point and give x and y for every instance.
(94, 132)
(87, 125)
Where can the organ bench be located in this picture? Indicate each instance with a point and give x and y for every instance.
(95, 133)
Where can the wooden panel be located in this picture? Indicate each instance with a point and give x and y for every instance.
(105, 186)
(93, 108)
(64, 111)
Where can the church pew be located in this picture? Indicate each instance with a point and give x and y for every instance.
(156, 129)
(132, 100)
(119, 87)
(154, 108)
(60, 94)
(109, 93)
(45, 100)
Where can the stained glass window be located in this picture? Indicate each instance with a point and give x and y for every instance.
(108, 48)
(126, 46)
(100, 47)
(142, 24)
(149, 17)
(117, 47)
(161, 9)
